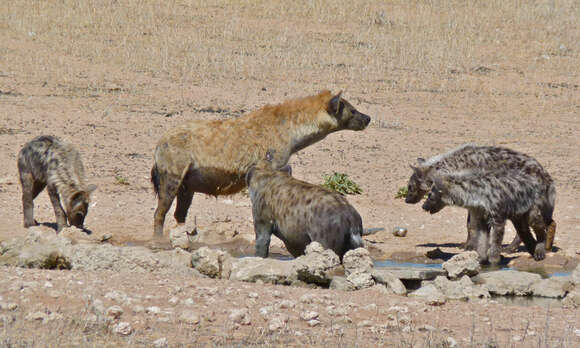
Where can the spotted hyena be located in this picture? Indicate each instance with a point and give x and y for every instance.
(48, 162)
(482, 157)
(492, 197)
(213, 157)
(299, 213)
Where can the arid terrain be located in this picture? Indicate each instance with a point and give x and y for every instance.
(112, 76)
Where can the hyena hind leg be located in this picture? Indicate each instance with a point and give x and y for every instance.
(184, 198)
(168, 186)
(58, 211)
(30, 190)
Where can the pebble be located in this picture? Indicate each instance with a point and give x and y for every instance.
(115, 312)
(399, 231)
(123, 328)
(308, 315)
(161, 343)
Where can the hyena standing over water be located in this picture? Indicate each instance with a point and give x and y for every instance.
(299, 213)
(494, 196)
(48, 162)
(471, 156)
(213, 157)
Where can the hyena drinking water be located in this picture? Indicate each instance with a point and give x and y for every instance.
(299, 213)
(493, 196)
(213, 157)
(470, 156)
(48, 162)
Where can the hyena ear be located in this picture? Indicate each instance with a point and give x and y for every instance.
(286, 169)
(416, 170)
(334, 104)
(420, 160)
(91, 188)
(270, 155)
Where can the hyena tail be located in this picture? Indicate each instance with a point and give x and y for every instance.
(355, 241)
(155, 178)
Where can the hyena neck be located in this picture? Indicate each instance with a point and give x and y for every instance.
(305, 135)
(67, 183)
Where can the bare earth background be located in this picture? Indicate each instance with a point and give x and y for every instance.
(112, 76)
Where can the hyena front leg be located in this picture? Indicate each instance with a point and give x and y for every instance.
(523, 229)
(472, 221)
(482, 236)
(496, 237)
(537, 222)
(58, 211)
(263, 235)
(168, 186)
(30, 189)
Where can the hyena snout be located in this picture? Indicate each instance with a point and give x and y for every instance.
(433, 205)
(359, 121)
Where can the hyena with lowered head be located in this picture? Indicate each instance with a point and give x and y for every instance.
(213, 157)
(492, 197)
(299, 213)
(48, 162)
(471, 156)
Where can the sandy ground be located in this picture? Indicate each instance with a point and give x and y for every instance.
(521, 91)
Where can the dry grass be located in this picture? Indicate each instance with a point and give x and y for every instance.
(429, 43)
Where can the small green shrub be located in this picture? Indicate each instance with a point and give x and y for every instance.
(341, 183)
(402, 193)
(121, 180)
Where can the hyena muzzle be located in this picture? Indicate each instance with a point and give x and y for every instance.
(492, 197)
(48, 162)
(471, 156)
(299, 213)
(213, 157)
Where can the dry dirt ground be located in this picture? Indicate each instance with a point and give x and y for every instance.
(112, 76)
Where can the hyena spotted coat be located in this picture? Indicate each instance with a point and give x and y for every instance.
(471, 156)
(48, 162)
(299, 213)
(494, 196)
(213, 157)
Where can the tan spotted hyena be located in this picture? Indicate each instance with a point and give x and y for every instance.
(48, 162)
(299, 213)
(213, 157)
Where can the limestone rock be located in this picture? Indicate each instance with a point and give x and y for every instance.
(466, 263)
(509, 282)
(357, 261)
(555, 287)
(252, 269)
(317, 265)
(387, 278)
(211, 262)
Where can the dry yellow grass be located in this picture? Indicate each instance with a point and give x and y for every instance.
(193, 42)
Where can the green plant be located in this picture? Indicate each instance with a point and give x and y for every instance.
(341, 183)
(402, 193)
(121, 180)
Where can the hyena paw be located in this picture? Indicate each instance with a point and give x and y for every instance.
(30, 224)
(540, 252)
(510, 249)
(494, 256)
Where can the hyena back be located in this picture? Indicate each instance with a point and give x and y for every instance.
(48, 162)
(299, 213)
(213, 157)
(495, 196)
(471, 156)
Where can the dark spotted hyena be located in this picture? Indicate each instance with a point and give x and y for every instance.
(471, 156)
(213, 157)
(299, 213)
(493, 196)
(48, 162)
